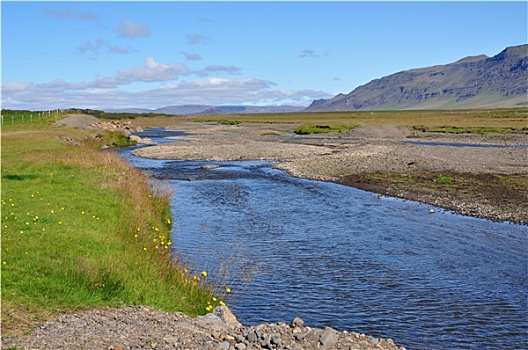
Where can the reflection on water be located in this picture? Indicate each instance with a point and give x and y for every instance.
(340, 257)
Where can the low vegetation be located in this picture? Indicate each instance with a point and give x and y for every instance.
(474, 188)
(82, 229)
(307, 129)
(502, 121)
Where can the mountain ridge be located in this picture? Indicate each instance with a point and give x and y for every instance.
(209, 109)
(471, 82)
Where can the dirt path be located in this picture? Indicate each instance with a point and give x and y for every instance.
(489, 181)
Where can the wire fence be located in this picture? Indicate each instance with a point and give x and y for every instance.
(21, 117)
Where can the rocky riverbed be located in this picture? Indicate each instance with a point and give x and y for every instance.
(489, 181)
(149, 329)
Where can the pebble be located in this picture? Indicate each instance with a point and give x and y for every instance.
(143, 328)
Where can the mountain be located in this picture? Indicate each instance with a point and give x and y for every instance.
(182, 110)
(251, 109)
(129, 110)
(206, 109)
(472, 82)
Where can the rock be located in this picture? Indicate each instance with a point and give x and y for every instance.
(328, 339)
(135, 138)
(226, 315)
(144, 328)
(297, 322)
(266, 342)
(72, 141)
(225, 345)
(275, 340)
(171, 341)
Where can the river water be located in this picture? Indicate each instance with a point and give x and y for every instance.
(341, 257)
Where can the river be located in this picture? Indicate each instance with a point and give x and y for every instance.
(341, 257)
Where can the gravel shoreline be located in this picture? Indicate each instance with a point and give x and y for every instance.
(148, 329)
(346, 158)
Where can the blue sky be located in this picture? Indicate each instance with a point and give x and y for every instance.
(105, 55)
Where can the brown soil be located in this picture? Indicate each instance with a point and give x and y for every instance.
(493, 196)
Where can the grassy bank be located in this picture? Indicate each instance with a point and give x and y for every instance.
(448, 121)
(82, 229)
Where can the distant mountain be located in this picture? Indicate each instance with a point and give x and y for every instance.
(183, 109)
(251, 109)
(129, 110)
(472, 82)
(206, 109)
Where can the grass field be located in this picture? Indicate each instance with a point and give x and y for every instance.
(455, 121)
(81, 229)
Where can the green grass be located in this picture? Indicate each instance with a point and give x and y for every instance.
(307, 129)
(501, 121)
(81, 229)
(443, 180)
(481, 130)
(17, 117)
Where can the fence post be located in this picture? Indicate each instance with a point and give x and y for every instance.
(22, 119)
(12, 120)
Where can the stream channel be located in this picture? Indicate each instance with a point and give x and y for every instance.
(340, 257)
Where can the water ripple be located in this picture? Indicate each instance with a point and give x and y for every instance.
(336, 256)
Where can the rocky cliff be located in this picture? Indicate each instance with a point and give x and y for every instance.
(472, 82)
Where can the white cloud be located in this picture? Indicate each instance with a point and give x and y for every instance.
(15, 86)
(160, 85)
(219, 69)
(130, 29)
(195, 39)
(90, 47)
(117, 49)
(309, 53)
(71, 14)
(191, 56)
(215, 84)
(151, 72)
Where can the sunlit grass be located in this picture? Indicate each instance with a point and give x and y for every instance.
(307, 129)
(80, 229)
(450, 121)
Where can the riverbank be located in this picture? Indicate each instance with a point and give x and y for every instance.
(146, 328)
(81, 229)
(486, 178)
